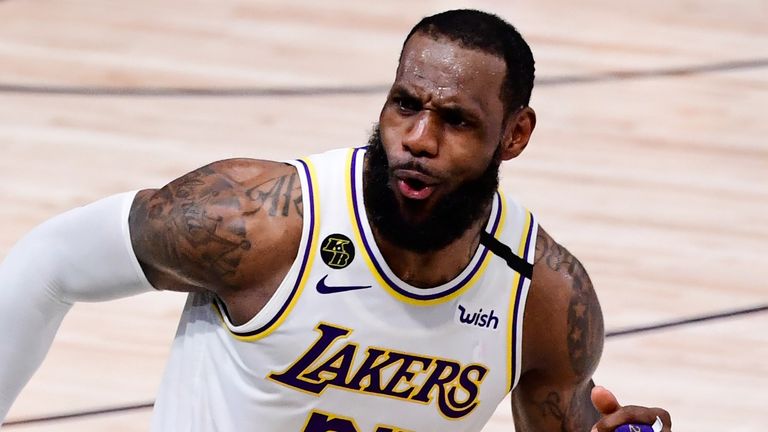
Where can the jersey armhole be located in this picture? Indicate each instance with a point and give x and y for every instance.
(288, 292)
(518, 300)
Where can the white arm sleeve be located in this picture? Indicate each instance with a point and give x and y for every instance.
(82, 255)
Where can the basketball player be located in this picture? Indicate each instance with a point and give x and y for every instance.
(384, 288)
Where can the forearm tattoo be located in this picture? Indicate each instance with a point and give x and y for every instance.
(573, 412)
(198, 223)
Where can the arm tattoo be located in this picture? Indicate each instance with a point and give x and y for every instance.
(552, 405)
(270, 192)
(585, 323)
(567, 407)
(196, 227)
(578, 416)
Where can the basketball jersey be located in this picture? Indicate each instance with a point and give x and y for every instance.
(345, 345)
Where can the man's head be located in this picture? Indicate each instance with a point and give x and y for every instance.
(490, 34)
(457, 108)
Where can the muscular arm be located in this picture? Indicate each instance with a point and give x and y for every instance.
(232, 227)
(563, 340)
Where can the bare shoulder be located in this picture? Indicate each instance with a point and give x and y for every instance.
(562, 344)
(227, 226)
(562, 309)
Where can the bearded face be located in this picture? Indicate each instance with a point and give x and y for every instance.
(407, 223)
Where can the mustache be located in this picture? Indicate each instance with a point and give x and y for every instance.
(414, 165)
(451, 216)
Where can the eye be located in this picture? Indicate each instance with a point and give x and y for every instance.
(455, 119)
(407, 104)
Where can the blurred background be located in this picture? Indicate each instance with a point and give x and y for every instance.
(649, 162)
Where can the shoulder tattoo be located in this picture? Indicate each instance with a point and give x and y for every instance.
(585, 321)
(196, 227)
(278, 194)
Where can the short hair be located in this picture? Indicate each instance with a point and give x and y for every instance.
(474, 29)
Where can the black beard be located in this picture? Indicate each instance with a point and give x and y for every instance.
(450, 218)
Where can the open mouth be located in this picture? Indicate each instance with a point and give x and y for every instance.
(415, 184)
(414, 189)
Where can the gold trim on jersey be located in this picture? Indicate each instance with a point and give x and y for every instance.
(514, 303)
(497, 218)
(307, 255)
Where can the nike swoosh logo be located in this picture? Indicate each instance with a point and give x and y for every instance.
(322, 288)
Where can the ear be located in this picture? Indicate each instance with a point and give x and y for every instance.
(517, 132)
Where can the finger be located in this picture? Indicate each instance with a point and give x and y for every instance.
(604, 401)
(633, 415)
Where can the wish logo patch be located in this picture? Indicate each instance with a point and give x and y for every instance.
(337, 251)
(486, 320)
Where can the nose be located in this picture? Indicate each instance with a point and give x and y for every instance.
(421, 137)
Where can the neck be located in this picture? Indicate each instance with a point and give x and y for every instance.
(430, 269)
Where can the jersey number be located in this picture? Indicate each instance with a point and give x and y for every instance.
(319, 421)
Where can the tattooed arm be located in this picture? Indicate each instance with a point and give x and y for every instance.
(232, 227)
(562, 344)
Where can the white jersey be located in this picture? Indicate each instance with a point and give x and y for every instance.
(345, 345)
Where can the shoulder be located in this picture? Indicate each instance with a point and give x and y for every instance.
(563, 331)
(220, 226)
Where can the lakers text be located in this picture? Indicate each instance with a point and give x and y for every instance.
(452, 386)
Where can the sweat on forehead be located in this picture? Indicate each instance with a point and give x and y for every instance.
(446, 46)
(443, 64)
(485, 32)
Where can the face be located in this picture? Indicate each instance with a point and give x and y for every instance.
(433, 168)
(452, 214)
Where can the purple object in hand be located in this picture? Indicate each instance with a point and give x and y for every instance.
(634, 428)
(656, 427)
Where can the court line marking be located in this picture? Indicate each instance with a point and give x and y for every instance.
(684, 321)
(609, 334)
(351, 90)
(76, 414)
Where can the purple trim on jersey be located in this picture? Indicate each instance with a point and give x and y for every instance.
(392, 284)
(304, 259)
(517, 305)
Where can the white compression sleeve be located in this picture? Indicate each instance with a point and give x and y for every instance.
(82, 255)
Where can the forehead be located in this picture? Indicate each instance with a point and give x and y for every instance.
(448, 72)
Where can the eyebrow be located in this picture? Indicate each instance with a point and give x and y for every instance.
(400, 90)
(449, 108)
(455, 110)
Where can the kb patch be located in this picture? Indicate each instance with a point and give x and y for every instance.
(337, 251)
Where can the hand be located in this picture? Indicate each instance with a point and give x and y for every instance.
(614, 415)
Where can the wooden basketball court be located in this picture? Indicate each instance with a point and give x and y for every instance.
(649, 162)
